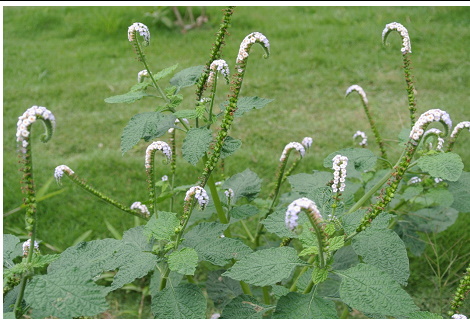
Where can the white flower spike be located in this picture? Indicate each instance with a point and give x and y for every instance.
(26, 246)
(361, 134)
(403, 33)
(293, 210)
(158, 145)
(218, 66)
(138, 28)
(307, 142)
(200, 194)
(458, 127)
(359, 90)
(142, 208)
(339, 167)
(433, 115)
(59, 172)
(248, 41)
(25, 121)
(292, 145)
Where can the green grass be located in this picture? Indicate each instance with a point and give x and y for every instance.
(70, 58)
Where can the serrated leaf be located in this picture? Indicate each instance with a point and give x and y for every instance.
(221, 290)
(245, 307)
(384, 249)
(311, 250)
(229, 147)
(371, 290)
(306, 183)
(186, 113)
(275, 223)
(187, 77)
(206, 239)
(460, 190)
(247, 104)
(437, 196)
(359, 160)
(11, 249)
(183, 261)
(445, 165)
(304, 306)
(165, 72)
(147, 126)
(185, 301)
(163, 227)
(195, 144)
(265, 267)
(66, 294)
(411, 238)
(245, 184)
(344, 258)
(433, 219)
(279, 291)
(319, 275)
(335, 243)
(128, 97)
(243, 212)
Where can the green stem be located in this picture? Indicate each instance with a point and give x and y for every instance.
(248, 232)
(410, 87)
(246, 288)
(266, 295)
(304, 269)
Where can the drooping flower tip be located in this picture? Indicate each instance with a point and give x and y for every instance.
(142, 208)
(141, 75)
(157, 145)
(292, 145)
(26, 246)
(138, 28)
(248, 41)
(414, 180)
(59, 172)
(218, 66)
(459, 316)
(229, 193)
(433, 115)
(307, 142)
(200, 194)
(460, 126)
(293, 210)
(403, 33)
(25, 121)
(363, 136)
(339, 166)
(359, 90)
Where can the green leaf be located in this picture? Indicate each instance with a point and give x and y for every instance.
(335, 243)
(243, 212)
(446, 165)
(412, 240)
(186, 113)
(265, 267)
(437, 196)
(371, 290)
(460, 189)
(187, 77)
(11, 249)
(275, 223)
(195, 144)
(186, 301)
(128, 97)
(206, 239)
(245, 184)
(221, 290)
(423, 315)
(351, 221)
(165, 72)
(344, 258)
(384, 249)
(163, 227)
(183, 261)
(433, 219)
(304, 306)
(278, 291)
(245, 307)
(359, 160)
(247, 104)
(229, 147)
(306, 183)
(147, 126)
(311, 250)
(319, 275)
(66, 294)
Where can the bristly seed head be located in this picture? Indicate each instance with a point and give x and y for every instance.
(292, 145)
(293, 210)
(141, 29)
(403, 33)
(359, 90)
(158, 145)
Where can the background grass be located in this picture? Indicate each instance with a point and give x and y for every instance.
(70, 58)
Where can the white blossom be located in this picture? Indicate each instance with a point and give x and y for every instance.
(339, 166)
(27, 244)
(229, 193)
(433, 115)
(403, 33)
(158, 145)
(361, 134)
(218, 66)
(164, 178)
(141, 75)
(458, 127)
(142, 208)
(440, 141)
(293, 210)
(459, 316)
(248, 41)
(200, 194)
(292, 145)
(307, 142)
(59, 172)
(138, 28)
(437, 180)
(27, 119)
(414, 180)
(359, 90)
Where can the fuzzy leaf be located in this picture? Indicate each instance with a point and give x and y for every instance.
(229, 147)
(129, 97)
(186, 113)
(359, 160)
(147, 126)
(163, 227)
(433, 219)
(384, 249)
(336, 243)
(371, 290)
(243, 212)
(306, 183)
(185, 301)
(187, 77)
(165, 72)
(66, 294)
(245, 184)
(245, 307)
(460, 189)
(206, 240)
(183, 261)
(195, 144)
(11, 249)
(247, 104)
(275, 223)
(446, 165)
(304, 306)
(221, 290)
(319, 275)
(265, 267)
(344, 258)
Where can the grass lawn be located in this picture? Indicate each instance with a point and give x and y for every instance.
(69, 59)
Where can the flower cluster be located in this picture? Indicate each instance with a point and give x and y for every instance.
(361, 134)
(141, 75)
(158, 145)
(27, 119)
(459, 316)
(248, 41)
(403, 33)
(229, 194)
(339, 166)
(292, 145)
(458, 127)
(307, 142)
(433, 115)
(293, 210)
(141, 29)
(414, 180)
(359, 90)
(26, 246)
(436, 132)
(142, 208)
(437, 180)
(220, 66)
(59, 172)
(200, 194)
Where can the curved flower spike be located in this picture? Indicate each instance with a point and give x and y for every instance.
(200, 194)
(141, 29)
(459, 127)
(248, 41)
(158, 145)
(307, 142)
(433, 115)
(293, 210)
(403, 33)
(360, 91)
(361, 134)
(288, 148)
(222, 67)
(142, 208)
(59, 172)
(434, 133)
(26, 120)
(141, 75)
